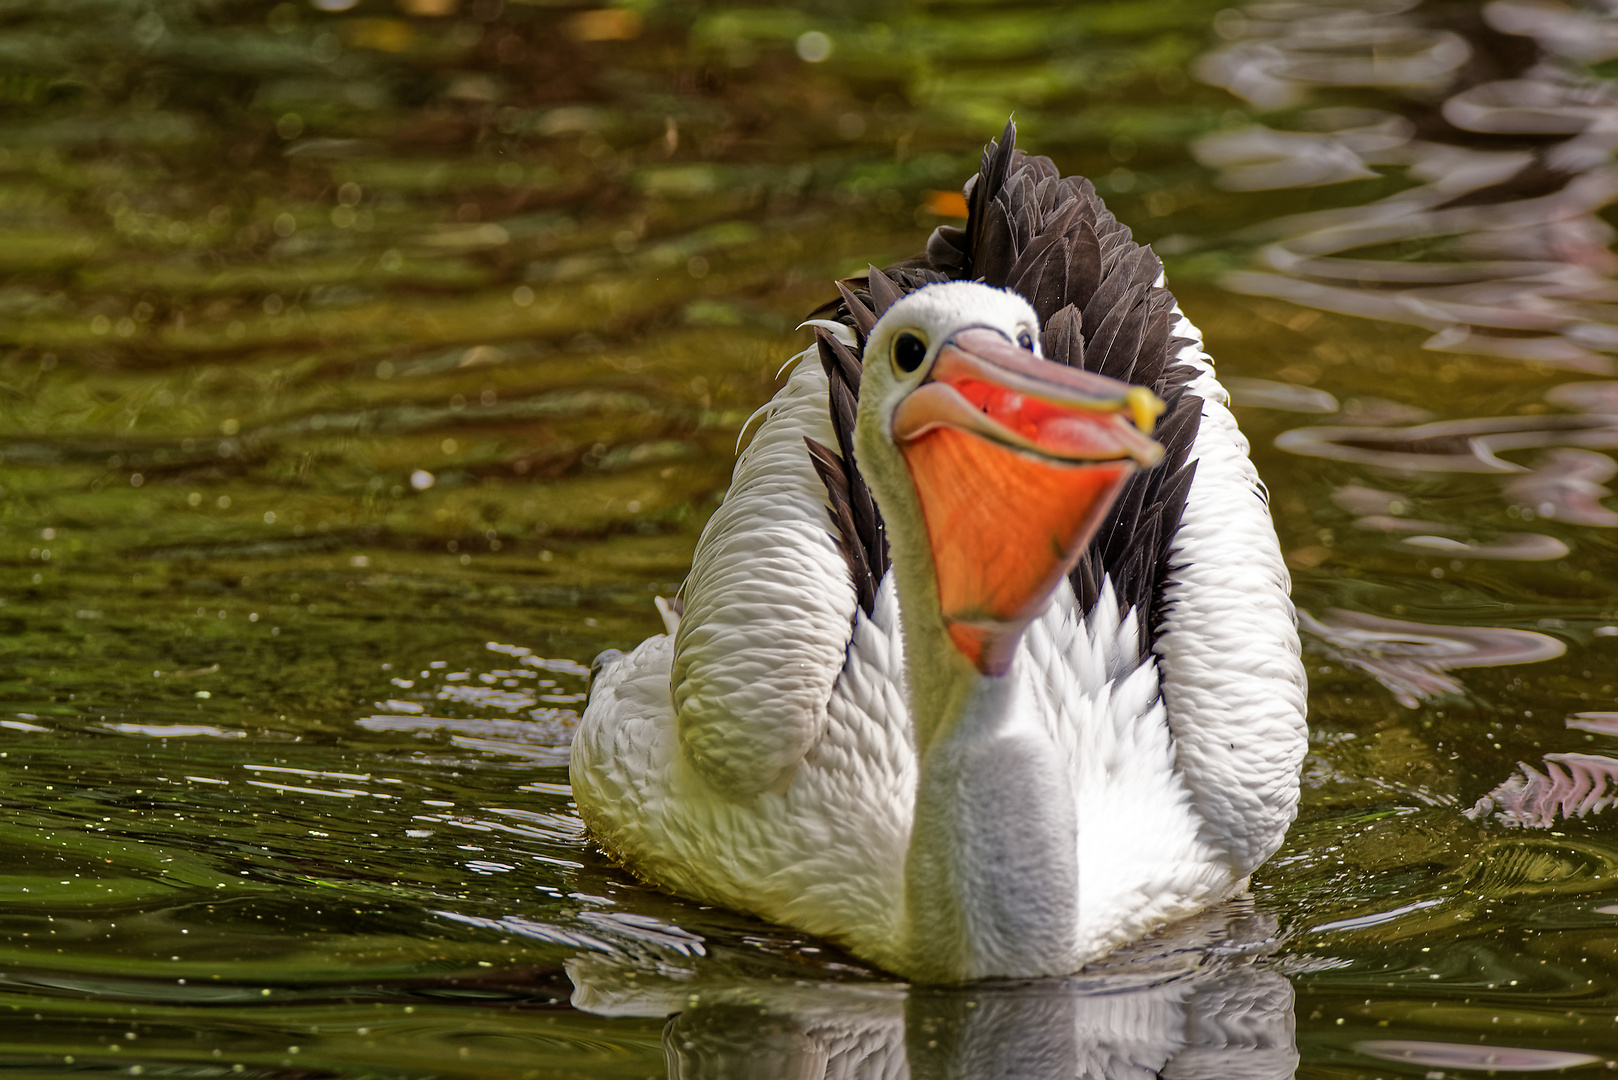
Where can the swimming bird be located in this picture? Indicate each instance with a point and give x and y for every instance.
(986, 665)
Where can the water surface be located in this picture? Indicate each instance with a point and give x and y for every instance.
(367, 368)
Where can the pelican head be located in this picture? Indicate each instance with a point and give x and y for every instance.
(992, 465)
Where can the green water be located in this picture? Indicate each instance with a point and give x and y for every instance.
(365, 372)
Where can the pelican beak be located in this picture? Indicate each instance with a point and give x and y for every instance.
(1015, 461)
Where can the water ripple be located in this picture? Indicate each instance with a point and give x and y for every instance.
(1462, 1056)
(1514, 256)
(1413, 659)
(1572, 786)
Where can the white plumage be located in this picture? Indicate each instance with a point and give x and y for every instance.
(766, 756)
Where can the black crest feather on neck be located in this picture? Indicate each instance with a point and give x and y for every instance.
(1051, 239)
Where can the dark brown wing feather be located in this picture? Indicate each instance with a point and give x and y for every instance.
(1052, 240)
(860, 536)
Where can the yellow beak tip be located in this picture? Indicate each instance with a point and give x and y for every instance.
(1144, 408)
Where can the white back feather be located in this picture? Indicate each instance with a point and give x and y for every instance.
(769, 605)
(1228, 647)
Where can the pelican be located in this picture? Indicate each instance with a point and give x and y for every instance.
(986, 665)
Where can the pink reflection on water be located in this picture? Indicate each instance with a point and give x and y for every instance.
(1566, 484)
(1517, 259)
(1460, 1056)
(1515, 546)
(1521, 547)
(1259, 159)
(1287, 397)
(1571, 786)
(1598, 397)
(1277, 52)
(1372, 502)
(1451, 446)
(1412, 659)
(1602, 723)
(1382, 511)
(1578, 35)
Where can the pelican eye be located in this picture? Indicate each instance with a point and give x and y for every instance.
(1026, 340)
(908, 352)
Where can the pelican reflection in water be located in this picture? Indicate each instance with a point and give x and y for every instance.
(1197, 1002)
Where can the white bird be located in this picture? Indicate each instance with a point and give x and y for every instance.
(970, 675)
